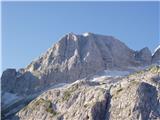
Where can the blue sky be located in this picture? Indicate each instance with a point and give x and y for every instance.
(30, 28)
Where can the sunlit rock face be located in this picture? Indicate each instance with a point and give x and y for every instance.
(76, 56)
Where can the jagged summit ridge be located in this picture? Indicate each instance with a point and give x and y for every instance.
(77, 52)
(79, 41)
(76, 56)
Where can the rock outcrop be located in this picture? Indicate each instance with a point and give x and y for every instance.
(8, 79)
(146, 102)
(64, 104)
(130, 98)
(20, 83)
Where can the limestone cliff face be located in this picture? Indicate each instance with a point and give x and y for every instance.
(74, 57)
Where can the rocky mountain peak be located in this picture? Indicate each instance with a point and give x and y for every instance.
(77, 56)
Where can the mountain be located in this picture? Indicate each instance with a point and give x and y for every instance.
(74, 57)
(84, 75)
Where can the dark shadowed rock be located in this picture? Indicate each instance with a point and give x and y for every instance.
(147, 104)
(15, 82)
(8, 80)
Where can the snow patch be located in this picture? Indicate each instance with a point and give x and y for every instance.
(86, 34)
(86, 56)
(158, 47)
(109, 73)
(99, 78)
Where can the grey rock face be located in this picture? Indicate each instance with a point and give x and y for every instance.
(130, 98)
(80, 101)
(77, 56)
(147, 104)
(74, 57)
(144, 56)
(16, 82)
(136, 97)
(8, 79)
(156, 56)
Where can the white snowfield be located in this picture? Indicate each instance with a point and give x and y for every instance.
(96, 78)
(86, 34)
(110, 73)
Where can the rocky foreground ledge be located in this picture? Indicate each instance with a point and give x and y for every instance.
(133, 97)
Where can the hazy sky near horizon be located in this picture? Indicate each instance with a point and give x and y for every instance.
(30, 28)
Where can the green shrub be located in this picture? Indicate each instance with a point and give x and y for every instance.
(85, 105)
(50, 110)
(66, 95)
(154, 69)
(38, 102)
